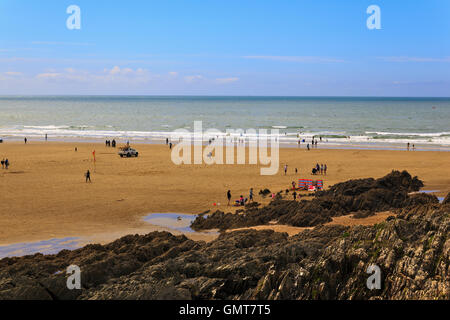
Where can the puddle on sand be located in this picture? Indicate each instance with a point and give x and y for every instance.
(432, 191)
(171, 221)
(428, 191)
(51, 246)
(175, 221)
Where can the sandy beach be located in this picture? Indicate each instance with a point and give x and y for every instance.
(44, 194)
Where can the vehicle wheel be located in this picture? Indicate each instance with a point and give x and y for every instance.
(128, 155)
(121, 155)
(137, 154)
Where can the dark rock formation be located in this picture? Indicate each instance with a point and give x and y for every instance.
(387, 193)
(412, 250)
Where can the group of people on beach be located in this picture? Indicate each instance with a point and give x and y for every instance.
(5, 163)
(110, 143)
(320, 169)
(241, 201)
(286, 169)
(408, 147)
(169, 143)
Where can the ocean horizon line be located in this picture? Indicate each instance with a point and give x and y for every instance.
(223, 96)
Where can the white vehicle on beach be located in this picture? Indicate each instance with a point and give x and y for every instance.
(128, 152)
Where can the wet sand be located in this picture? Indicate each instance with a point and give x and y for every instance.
(343, 220)
(44, 195)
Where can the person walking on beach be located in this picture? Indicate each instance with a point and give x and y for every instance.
(170, 146)
(325, 169)
(250, 196)
(88, 176)
(25, 139)
(295, 195)
(6, 164)
(296, 170)
(3, 163)
(167, 141)
(407, 146)
(45, 137)
(285, 169)
(229, 197)
(321, 168)
(307, 146)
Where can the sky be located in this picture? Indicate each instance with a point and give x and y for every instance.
(244, 47)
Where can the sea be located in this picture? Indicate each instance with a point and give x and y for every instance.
(341, 122)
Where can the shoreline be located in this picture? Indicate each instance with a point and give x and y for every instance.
(322, 145)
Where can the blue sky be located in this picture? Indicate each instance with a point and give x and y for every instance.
(246, 47)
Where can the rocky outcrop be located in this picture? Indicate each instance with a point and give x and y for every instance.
(411, 249)
(373, 195)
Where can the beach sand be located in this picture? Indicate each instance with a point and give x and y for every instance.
(43, 195)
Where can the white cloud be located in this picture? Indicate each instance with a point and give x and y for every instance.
(416, 83)
(61, 43)
(13, 73)
(190, 79)
(173, 74)
(303, 59)
(115, 74)
(413, 59)
(115, 70)
(49, 75)
(227, 80)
